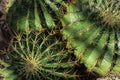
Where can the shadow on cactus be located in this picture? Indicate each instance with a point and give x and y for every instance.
(41, 55)
(92, 29)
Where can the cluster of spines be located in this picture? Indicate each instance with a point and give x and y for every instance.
(40, 55)
(105, 12)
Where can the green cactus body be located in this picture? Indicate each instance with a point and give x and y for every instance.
(108, 11)
(41, 55)
(30, 14)
(5, 72)
(92, 29)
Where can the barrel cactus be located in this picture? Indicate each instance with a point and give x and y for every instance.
(5, 72)
(40, 54)
(91, 27)
(35, 12)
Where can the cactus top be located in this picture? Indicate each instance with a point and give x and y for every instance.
(107, 11)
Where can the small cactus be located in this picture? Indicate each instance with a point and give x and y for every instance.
(91, 27)
(36, 55)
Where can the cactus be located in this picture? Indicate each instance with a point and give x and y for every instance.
(106, 11)
(5, 72)
(34, 13)
(40, 54)
(91, 27)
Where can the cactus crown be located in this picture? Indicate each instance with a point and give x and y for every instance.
(106, 11)
(40, 55)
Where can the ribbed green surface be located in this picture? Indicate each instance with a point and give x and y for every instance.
(35, 13)
(41, 55)
(6, 73)
(89, 31)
